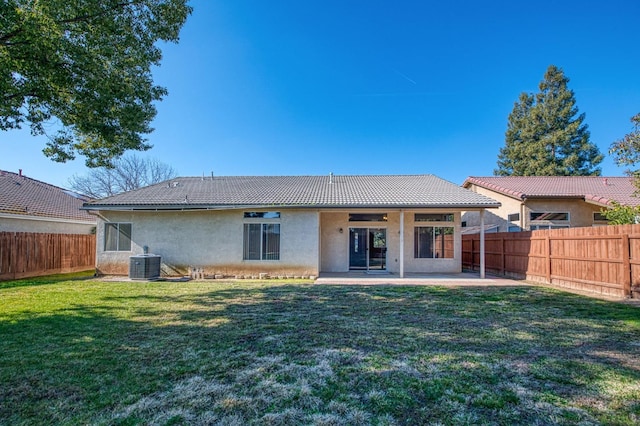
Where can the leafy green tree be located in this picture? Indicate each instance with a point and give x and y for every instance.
(626, 152)
(83, 69)
(620, 214)
(546, 136)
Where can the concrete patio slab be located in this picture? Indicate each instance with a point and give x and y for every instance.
(461, 279)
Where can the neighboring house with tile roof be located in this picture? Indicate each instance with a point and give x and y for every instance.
(544, 202)
(288, 225)
(29, 205)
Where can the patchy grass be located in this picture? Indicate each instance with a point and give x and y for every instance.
(94, 352)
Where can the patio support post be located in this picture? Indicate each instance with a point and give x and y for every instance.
(482, 244)
(401, 243)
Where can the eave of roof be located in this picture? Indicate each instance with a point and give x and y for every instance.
(43, 218)
(200, 207)
(500, 189)
(598, 200)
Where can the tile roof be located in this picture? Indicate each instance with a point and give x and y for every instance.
(21, 195)
(599, 190)
(298, 191)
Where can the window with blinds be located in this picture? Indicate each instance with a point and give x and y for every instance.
(261, 241)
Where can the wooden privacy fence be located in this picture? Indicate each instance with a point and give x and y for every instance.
(24, 254)
(604, 260)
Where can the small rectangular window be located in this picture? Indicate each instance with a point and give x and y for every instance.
(549, 216)
(433, 217)
(599, 217)
(431, 242)
(262, 215)
(261, 241)
(117, 237)
(514, 228)
(367, 217)
(514, 217)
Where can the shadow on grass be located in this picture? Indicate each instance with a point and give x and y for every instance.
(407, 354)
(48, 279)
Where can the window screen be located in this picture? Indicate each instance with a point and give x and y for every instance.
(261, 241)
(117, 237)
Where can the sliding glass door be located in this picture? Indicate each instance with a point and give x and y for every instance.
(368, 248)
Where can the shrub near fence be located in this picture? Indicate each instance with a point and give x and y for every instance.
(603, 259)
(24, 254)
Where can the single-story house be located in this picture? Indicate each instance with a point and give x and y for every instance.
(29, 205)
(288, 225)
(529, 203)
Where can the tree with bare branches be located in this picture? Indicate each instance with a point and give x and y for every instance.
(128, 173)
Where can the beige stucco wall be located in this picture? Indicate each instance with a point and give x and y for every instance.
(580, 212)
(335, 245)
(44, 225)
(413, 265)
(212, 240)
(310, 242)
(497, 216)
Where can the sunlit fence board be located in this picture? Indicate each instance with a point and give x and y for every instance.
(24, 254)
(604, 260)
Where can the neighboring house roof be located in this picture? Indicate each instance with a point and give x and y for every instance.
(490, 228)
(297, 191)
(593, 189)
(23, 196)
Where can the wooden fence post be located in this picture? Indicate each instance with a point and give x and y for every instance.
(502, 255)
(473, 255)
(14, 255)
(626, 265)
(547, 240)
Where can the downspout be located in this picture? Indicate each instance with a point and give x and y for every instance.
(482, 271)
(319, 219)
(97, 214)
(401, 243)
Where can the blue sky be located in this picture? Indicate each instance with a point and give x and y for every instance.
(289, 87)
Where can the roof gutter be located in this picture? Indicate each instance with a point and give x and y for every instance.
(152, 208)
(559, 197)
(45, 218)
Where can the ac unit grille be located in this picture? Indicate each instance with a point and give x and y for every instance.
(144, 267)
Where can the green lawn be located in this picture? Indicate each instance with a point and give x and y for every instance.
(76, 351)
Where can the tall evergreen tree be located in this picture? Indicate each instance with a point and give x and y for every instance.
(546, 136)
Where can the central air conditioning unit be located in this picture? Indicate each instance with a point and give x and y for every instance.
(144, 267)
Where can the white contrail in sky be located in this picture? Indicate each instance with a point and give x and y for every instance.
(403, 76)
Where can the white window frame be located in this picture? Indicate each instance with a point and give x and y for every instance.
(263, 245)
(434, 249)
(537, 224)
(549, 220)
(117, 226)
(602, 221)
